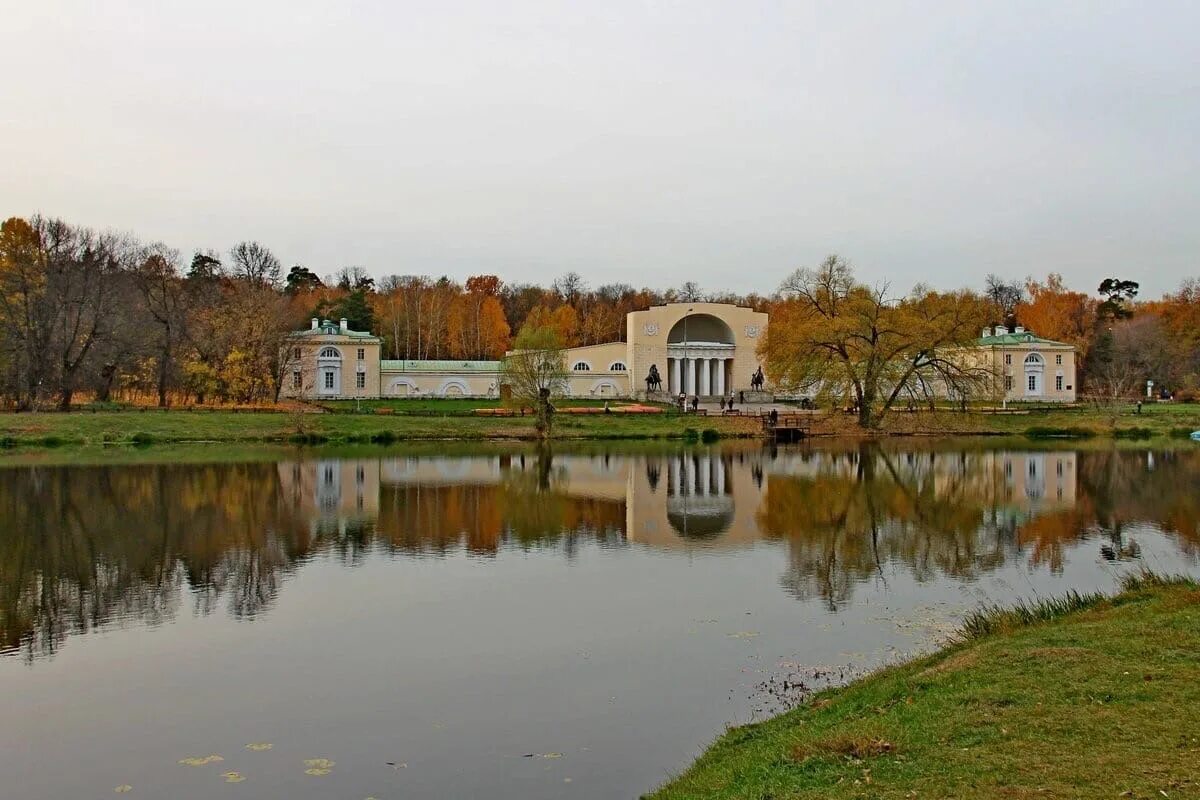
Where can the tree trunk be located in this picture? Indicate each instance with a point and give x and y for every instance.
(164, 366)
(64, 401)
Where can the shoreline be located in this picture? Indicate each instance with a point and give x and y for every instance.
(185, 426)
(1016, 706)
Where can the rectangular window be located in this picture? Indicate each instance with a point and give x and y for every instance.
(296, 382)
(1008, 358)
(360, 380)
(296, 353)
(328, 379)
(1033, 383)
(1058, 384)
(1008, 383)
(362, 353)
(1058, 360)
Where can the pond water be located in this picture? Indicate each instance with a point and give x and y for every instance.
(509, 624)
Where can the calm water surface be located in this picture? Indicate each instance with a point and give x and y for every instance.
(511, 625)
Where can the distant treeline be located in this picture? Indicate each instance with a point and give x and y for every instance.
(104, 316)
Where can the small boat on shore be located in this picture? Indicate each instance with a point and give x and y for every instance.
(1196, 436)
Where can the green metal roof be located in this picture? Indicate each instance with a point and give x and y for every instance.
(390, 365)
(1017, 339)
(335, 331)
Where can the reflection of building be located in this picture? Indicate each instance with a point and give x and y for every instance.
(332, 489)
(698, 348)
(691, 496)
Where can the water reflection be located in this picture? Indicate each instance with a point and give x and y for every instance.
(81, 547)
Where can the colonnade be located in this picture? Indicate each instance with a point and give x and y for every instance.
(700, 476)
(704, 376)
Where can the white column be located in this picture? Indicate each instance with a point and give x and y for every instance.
(675, 470)
(705, 365)
(689, 375)
(720, 387)
(675, 384)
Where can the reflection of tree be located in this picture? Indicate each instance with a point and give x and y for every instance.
(83, 547)
(857, 511)
(528, 507)
(941, 513)
(1128, 486)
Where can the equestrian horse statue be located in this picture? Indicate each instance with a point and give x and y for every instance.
(757, 380)
(653, 380)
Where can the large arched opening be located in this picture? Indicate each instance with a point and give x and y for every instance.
(700, 350)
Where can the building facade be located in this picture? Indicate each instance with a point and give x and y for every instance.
(1029, 368)
(705, 349)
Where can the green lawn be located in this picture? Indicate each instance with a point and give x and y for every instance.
(1170, 420)
(144, 427)
(1088, 697)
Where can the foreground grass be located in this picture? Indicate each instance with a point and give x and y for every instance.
(1081, 697)
(147, 427)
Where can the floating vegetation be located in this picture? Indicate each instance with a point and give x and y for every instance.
(123, 788)
(258, 747)
(195, 761)
(543, 755)
(318, 766)
(233, 777)
(743, 635)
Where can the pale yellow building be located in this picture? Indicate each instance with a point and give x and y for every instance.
(705, 349)
(1028, 367)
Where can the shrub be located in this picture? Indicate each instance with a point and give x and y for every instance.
(690, 435)
(1188, 395)
(383, 437)
(710, 435)
(1133, 433)
(141, 438)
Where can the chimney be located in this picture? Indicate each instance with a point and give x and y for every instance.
(345, 324)
(986, 333)
(1000, 330)
(316, 323)
(1020, 329)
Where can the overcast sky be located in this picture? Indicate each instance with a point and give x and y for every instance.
(648, 143)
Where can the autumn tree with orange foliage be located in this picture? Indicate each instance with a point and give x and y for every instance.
(1055, 312)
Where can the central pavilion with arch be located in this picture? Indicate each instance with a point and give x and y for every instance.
(704, 349)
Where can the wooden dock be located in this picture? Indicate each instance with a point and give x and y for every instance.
(787, 427)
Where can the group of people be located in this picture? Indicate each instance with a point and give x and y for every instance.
(693, 402)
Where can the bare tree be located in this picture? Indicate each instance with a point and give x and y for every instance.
(1004, 297)
(165, 298)
(254, 263)
(690, 292)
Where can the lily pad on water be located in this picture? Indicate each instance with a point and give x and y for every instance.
(743, 635)
(233, 777)
(123, 788)
(200, 761)
(318, 763)
(258, 747)
(317, 771)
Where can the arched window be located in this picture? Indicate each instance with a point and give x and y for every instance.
(582, 366)
(330, 352)
(617, 366)
(1033, 359)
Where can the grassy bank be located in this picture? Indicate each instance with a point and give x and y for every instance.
(1083, 697)
(148, 427)
(1158, 420)
(417, 420)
